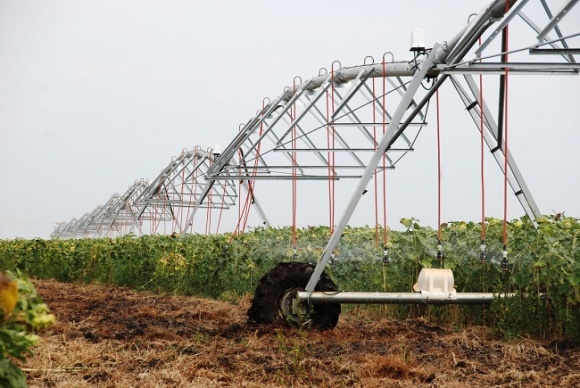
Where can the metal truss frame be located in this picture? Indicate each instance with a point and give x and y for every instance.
(450, 58)
(172, 198)
(175, 194)
(115, 218)
(326, 128)
(352, 122)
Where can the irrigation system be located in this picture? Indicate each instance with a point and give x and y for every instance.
(354, 123)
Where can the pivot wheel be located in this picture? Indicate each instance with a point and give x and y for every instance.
(275, 299)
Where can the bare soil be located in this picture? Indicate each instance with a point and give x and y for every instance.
(117, 337)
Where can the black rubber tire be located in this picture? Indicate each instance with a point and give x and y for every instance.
(281, 279)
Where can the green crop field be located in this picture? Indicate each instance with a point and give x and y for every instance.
(543, 267)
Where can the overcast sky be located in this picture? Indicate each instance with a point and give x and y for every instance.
(96, 94)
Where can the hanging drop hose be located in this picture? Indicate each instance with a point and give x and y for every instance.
(328, 154)
(223, 200)
(294, 180)
(440, 255)
(483, 246)
(331, 145)
(209, 205)
(236, 230)
(504, 261)
(242, 220)
(193, 192)
(244, 212)
(386, 242)
(252, 184)
(375, 183)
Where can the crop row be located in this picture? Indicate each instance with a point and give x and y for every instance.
(543, 266)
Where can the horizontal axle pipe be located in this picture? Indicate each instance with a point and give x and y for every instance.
(354, 297)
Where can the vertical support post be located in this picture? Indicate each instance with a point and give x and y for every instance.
(391, 132)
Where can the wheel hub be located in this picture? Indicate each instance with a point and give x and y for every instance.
(292, 310)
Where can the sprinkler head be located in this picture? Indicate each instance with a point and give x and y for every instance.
(440, 255)
(332, 259)
(504, 261)
(386, 260)
(483, 252)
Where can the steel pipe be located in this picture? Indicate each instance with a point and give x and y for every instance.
(354, 297)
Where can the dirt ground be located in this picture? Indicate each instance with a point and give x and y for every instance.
(117, 337)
